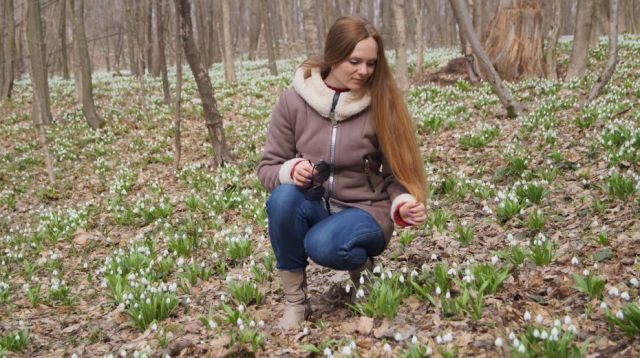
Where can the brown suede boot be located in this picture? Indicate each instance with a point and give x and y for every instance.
(360, 271)
(296, 304)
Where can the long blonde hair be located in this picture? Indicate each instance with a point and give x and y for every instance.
(391, 119)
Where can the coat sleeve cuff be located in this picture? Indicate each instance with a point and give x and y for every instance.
(284, 174)
(400, 199)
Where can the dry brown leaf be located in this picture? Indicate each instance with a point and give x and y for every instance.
(365, 325)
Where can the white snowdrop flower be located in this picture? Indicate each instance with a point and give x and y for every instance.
(74, 355)
(447, 295)
(188, 300)
(498, 342)
(347, 288)
(538, 318)
(575, 261)
(527, 316)
(389, 274)
(620, 315)
(223, 297)
(613, 291)
(536, 333)
(346, 350)
(438, 290)
(544, 335)
(241, 308)
(377, 269)
(452, 272)
(522, 349)
(414, 273)
(148, 301)
(567, 320)
(361, 280)
(168, 300)
(573, 329)
(239, 322)
(360, 293)
(439, 340)
(305, 331)
(557, 323)
(261, 323)
(634, 282)
(212, 324)
(586, 272)
(512, 335)
(123, 354)
(603, 305)
(352, 345)
(494, 259)
(397, 337)
(154, 327)
(554, 331)
(447, 337)
(387, 348)
(327, 352)
(414, 340)
(625, 296)
(401, 278)
(252, 324)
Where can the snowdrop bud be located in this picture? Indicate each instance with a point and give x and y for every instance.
(586, 272)
(327, 352)
(212, 324)
(401, 278)
(527, 316)
(305, 331)
(239, 322)
(634, 282)
(439, 340)
(362, 280)
(544, 335)
(613, 291)
(557, 323)
(154, 327)
(360, 293)
(452, 272)
(447, 337)
(625, 296)
(387, 348)
(603, 305)
(377, 269)
(346, 350)
(397, 337)
(438, 290)
(498, 342)
(434, 257)
(522, 349)
(567, 320)
(447, 295)
(572, 329)
(494, 259)
(619, 315)
(575, 261)
(536, 333)
(554, 331)
(241, 308)
(414, 273)
(414, 340)
(538, 318)
(347, 288)
(511, 335)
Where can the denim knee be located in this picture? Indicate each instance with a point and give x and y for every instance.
(284, 200)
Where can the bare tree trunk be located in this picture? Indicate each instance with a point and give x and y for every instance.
(229, 71)
(254, 28)
(9, 50)
(40, 82)
(268, 32)
(131, 36)
(62, 35)
(613, 52)
(203, 82)
(310, 28)
(582, 33)
(478, 23)
(552, 40)
(162, 61)
(419, 39)
(387, 21)
(177, 115)
(400, 39)
(147, 15)
(461, 13)
(82, 54)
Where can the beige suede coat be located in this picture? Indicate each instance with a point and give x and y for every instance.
(303, 127)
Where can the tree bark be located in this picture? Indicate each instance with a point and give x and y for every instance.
(268, 32)
(62, 35)
(203, 82)
(162, 60)
(82, 54)
(9, 50)
(419, 39)
(177, 107)
(613, 52)
(461, 13)
(551, 40)
(400, 39)
(581, 36)
(387, 22)
(255, 24)
(514, 40)
(229, 71)
(310, 28)
(40, 82)
(131, 37)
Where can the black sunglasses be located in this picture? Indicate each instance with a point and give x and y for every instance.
(321, 171)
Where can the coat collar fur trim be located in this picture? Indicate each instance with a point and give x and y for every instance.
(315, 92)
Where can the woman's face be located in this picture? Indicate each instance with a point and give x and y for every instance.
(355, 70)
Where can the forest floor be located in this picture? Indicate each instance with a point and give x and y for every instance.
(531, 246)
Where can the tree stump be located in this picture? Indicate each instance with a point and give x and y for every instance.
(514, 40)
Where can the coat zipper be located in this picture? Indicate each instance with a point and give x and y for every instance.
(334, 136)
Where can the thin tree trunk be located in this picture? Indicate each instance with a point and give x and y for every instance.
(582, 33)
(268, 32)
(9, 47)
(40, 82)
(82, 54)
(419, 39)
(62, 34)
(177, 115)
(310, 28)
(162, 61)
(229, 71)
(203, 82)
(131, 37)
(613, 52)
(461, 13)
(255, 24)
(400, 39)
(148, 43)
(552, 40)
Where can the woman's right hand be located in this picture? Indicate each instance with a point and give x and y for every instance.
(303, 173)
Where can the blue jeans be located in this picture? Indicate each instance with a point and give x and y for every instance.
(301, 229)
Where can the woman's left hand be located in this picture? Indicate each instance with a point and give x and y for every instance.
(413, 213)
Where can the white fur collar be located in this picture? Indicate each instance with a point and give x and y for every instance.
(317, 95)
